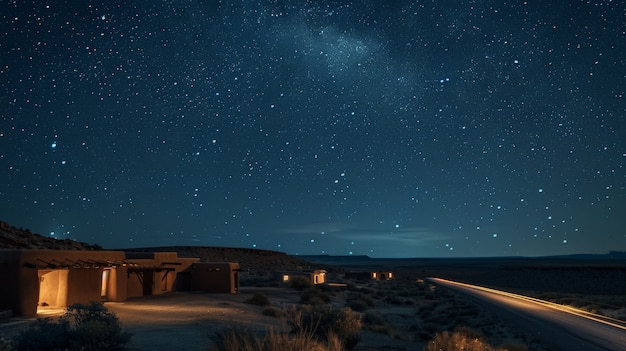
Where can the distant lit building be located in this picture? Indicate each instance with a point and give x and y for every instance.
(314, 276)
(369, 275)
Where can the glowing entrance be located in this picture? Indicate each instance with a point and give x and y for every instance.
(105, 283)
(52, 288)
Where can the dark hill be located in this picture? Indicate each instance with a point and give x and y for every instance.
(18, 238)
(248, 259)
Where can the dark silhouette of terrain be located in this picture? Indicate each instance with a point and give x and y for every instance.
(18, 238)
(249, 259)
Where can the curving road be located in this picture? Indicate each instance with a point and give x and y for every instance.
(559, 327)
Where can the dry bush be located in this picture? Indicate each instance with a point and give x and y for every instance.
(374, 320)
(362, 289)
(358, 301)
(300, 283)
(325, 320)
(457, 340)
(314, 296)
(83, 327)
(5, 344)
(273, 312)
(466, 339)
(394, 299)
(239, 339)
(357, 305)
(259, 299)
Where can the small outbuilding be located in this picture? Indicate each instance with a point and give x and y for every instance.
(369, 275)
(315, 276)
(382, 275)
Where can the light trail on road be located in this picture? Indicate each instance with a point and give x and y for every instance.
(563, 327)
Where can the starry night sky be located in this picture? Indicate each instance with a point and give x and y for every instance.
(386, 128)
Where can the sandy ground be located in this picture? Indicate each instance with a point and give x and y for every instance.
(186, 321)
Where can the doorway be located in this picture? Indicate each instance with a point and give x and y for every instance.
(52, 288)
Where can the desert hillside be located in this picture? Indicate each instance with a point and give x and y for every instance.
(249, 259)
(18, 238)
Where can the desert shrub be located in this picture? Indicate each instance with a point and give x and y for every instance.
(5, 344)
(43, 334)
(425, 310)
(362, 289)
(300, 282)
(358, 301)
(95, 328)
(375, 321)
(259, 299)
(361, 297)
(394, 299)
(237, 339)
(83, 327)
(381, 293)
(324, 320)
(272, 312)
(373, 318)
(453, 341)
(463, 338)
(357, 305)
(404, 293)
(314, 296)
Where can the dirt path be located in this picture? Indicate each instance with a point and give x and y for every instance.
(186, 321)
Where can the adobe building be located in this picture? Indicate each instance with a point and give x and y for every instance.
(59, 278)
(154, 273)
(371, 275)
(315, 277)
(217, 277)
(382, 275)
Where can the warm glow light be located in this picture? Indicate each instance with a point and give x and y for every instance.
(105, 282)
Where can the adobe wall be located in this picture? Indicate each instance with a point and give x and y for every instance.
(166, 266)
(28, 288)
(66, 277)
(117, 289)
(83, 286)
(10, 293)
(215, 277)
(80, 285)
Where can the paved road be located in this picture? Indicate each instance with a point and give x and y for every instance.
(556, 326)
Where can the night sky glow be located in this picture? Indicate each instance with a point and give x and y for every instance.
(385, 128)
